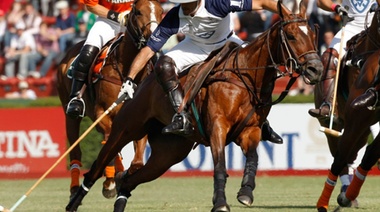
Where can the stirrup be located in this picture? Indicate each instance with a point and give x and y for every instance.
(186, 129)
(76, 99)
(373, 107)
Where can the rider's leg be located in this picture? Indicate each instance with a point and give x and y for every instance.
(167, 77)
(81, 68)
(370, 98)
(329, 58)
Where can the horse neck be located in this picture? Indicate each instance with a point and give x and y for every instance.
(127, 52)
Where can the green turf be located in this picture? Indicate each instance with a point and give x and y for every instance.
(188, 194)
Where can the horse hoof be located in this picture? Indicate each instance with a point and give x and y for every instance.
(245, 196)
(322, 209)
(245, 200)
(109, 189)
(222, 208)
(343, 201)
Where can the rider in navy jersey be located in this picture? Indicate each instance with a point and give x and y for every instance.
(207, 26)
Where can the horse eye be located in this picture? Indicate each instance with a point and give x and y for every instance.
(290, 37)
(138, 12)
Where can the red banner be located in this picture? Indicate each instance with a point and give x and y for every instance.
(31, 141)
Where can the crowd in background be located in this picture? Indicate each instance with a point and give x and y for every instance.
(34, 34)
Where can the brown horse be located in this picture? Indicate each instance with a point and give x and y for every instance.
(357, 126)
(352, 82)
(144, 17)
(231, 106)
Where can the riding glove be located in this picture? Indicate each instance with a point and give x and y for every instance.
(343, 13)
(118, 17)
(123, 17)
(127, 88)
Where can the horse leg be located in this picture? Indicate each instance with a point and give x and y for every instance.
(72, 132)
(138, 159)
(369, 159)
(167, 150)
(245, 194)
(220, 173)
(109, 186)
(109, 151)
(355, 132)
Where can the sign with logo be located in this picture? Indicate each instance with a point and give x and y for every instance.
(31, 141)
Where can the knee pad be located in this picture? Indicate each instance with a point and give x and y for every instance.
(84, 61)
(165, 73)
(330, 62)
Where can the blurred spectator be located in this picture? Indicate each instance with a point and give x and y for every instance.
(86, 17)
(46, 50)
(253, 23)
(82, 32)
(23, 93)
(327, 38)
(12, 17)
(32, 19)
(65, 25)
(324, 19)
(22, 44)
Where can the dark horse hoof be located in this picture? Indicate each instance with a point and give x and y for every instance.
(221, 208)
(245, 196)
(109, 188)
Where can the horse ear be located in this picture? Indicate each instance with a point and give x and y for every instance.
(302, 7)
(282, 10)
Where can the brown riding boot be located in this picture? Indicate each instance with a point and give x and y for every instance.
(166, 76)
(369, 99)
(329, 59)
(325, 109)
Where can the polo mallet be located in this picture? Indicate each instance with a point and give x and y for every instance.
(117, 102)
(330, 130)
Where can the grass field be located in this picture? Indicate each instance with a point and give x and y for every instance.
(188, 194)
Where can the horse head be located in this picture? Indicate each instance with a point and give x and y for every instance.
(298, 44)
(143, 20)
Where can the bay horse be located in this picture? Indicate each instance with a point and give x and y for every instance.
(231, 106)
(358, 126)
(143, 18)
(344, 149)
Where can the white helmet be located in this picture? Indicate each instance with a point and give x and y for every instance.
(182, 1)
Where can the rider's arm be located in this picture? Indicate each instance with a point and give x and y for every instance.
(327, 5)
(270, 5)
(140, 61)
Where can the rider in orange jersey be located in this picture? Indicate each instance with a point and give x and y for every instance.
(111, 20)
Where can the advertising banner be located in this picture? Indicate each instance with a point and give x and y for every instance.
(31, 141)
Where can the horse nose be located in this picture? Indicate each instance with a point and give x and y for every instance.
(313, 72)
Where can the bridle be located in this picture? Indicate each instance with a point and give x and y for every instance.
(134, 31)
(293, 61)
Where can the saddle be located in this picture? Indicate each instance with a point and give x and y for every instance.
(100, 60)
(198, 73)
